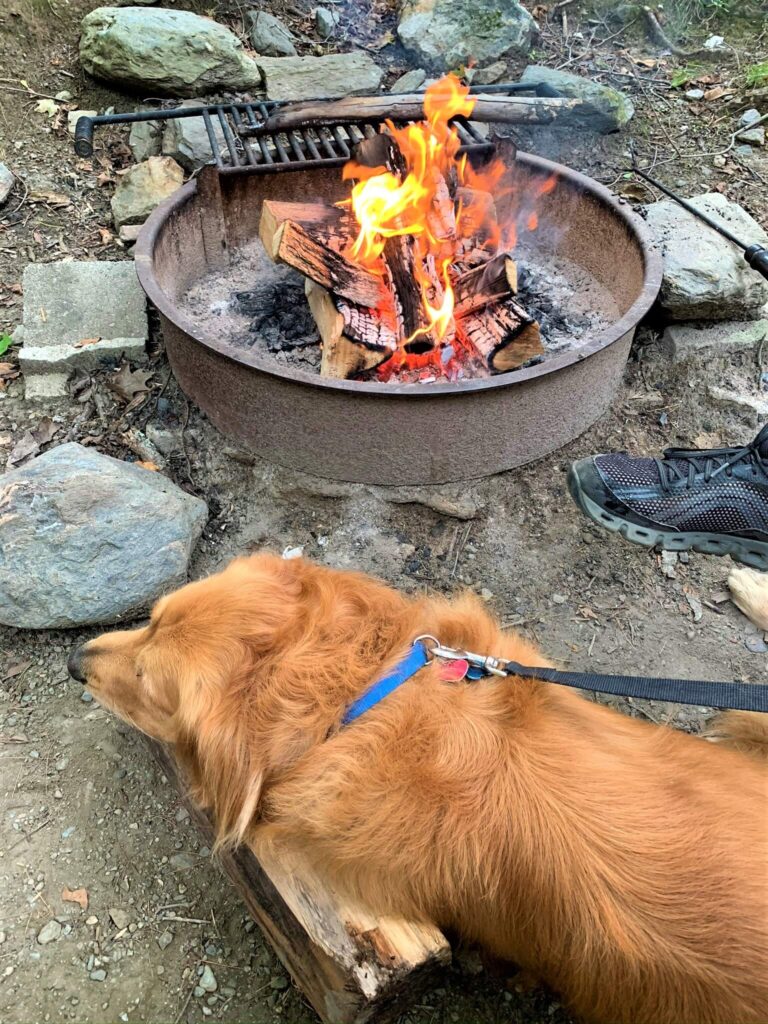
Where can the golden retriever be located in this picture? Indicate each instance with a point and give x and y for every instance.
(624, 863)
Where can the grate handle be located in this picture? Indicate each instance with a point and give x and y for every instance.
(84, 136)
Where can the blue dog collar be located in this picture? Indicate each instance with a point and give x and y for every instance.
(414, 661)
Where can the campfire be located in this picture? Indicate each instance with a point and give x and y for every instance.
(412, 276)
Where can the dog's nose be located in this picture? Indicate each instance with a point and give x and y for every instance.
(75, 665)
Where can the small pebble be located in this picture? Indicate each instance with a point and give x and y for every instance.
(279, 982)
(98, 975)
(86, 697)
(559, 598)
(207, 980)
(49, 933)
(165, 939)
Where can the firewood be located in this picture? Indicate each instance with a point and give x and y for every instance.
(323, 219)
(296, 246)
(485, 284)
(354, 338)
(410, 107)
(476, 214)
(351, 965)
(504, 334)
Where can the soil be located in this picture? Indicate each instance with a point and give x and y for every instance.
(81, 804)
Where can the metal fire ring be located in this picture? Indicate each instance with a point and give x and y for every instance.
(384, 433)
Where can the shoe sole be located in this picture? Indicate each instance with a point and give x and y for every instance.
(741, 549)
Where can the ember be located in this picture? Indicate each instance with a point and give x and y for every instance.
(413, 272)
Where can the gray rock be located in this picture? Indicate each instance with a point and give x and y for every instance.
(411, 81)
(164, 52)
(120, 918)
(207, 980)
(146, 139)
(165, 939)
(493, 73)
(89, 539)
(49, 933)
(694, 94)
(447, 33)
(325, 78)
(98, 975)
(6, 183)
(705, 276)
(753, 136)
(749, 117)
(326, 22)
(268, 35)
(613, 109)
(708, 341)
(748, 407)
(64, 305)
(145, 186)
(182, 862)
(186, 140)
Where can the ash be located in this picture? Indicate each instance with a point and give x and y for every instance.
(258, 306)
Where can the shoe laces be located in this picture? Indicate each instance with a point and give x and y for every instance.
(690, 465)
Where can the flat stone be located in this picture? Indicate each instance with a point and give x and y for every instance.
(753, 136)
(447, 33)
(49, 933)
(694, 94)
(146, 139)
(182, 862)
(411, 81)
(98, 975)
(749, 117)
(143, 188)
(64, 306)
(323, 78)
(90, 539)
(268, 35)
(326, 22)
(613, 108)
(165, 939)
(186, 140)
(129, 233)
(120, 918)
(705, 276)
(493, 73)
(6, 183)
(46, 387)
(207, 980)
(753, 409)
(706, 340)
(173, 53)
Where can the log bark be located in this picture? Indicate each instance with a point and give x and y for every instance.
(350, 965)
(485, 284)
(504, 335)
(410, 107)
(296, 245)
(355, 338)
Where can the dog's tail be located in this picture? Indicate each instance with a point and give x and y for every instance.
(745, 731)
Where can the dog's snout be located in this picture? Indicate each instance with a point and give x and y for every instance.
(75, 664)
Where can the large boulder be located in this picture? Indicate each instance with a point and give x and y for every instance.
(165, 52)
(321, 78)
(706, 276)
(447, 33)
(143, 187)
(87, 538)
(612, 108)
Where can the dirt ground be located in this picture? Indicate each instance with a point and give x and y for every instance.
(81, 804)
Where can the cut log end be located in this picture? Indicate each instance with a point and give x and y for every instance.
(505, 335)
(351, 344)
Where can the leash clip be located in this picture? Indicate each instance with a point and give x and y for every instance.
(486, 664)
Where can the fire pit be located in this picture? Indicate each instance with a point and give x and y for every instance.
(547, 327)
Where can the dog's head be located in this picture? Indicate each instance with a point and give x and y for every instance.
(165, 677)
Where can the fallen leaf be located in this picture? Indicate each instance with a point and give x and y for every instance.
(55, 199)
(8, 368)
(645, 62)
(128, 384)
(48, 107)
(383, 41)
(86, 341)
(634, 190)
(148, 465)
(24, 449)
(105, 178)
(715, 94)
(106, 236)
(45, 431)
(17, 669)
(75, 896)
(16, 289)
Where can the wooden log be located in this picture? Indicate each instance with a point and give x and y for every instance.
(325, 221)
(351, 966)
(355, 338)
(504, 335)
(485, 284)
(295, 245)
(410, 107)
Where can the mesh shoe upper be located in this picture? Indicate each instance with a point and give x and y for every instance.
(723, 490)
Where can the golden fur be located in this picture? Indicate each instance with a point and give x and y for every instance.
(624, 863)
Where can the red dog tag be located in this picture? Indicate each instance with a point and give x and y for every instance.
(454, 671)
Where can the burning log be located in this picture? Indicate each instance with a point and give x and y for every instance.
(485, 284)
(354, 338)
(504, 334)
(291, 242)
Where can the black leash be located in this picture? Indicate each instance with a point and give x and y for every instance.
(735, 696)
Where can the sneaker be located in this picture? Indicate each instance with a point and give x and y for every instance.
(713, 501)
